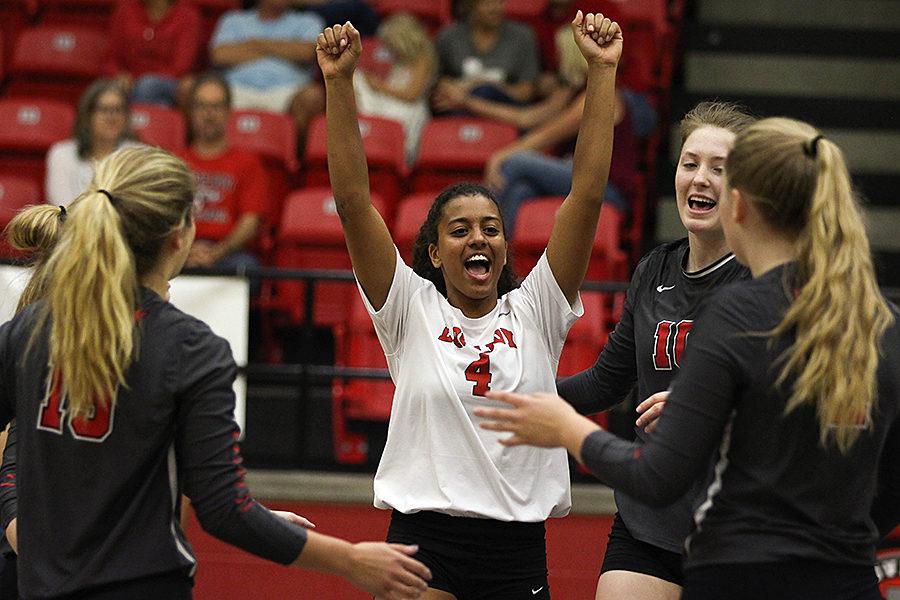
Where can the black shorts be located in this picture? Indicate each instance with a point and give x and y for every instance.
(787, 580)
(624, 553)
(477, 559)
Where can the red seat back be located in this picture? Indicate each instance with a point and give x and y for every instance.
(311, 237)
(411, 213)
(534, 224)
(93, 14)
(456, 149)
(56, 61)
(15, 194)
(273, 136)
(158, 125)
(383, 142)
(28, 127)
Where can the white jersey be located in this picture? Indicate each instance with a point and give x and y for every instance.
(437, 458)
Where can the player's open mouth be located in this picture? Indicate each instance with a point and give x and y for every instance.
(701, 204)
(478, 267)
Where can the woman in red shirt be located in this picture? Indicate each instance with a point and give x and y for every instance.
(153, 45)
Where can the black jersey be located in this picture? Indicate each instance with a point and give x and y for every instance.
(646, 350)
(777, 492)
(98, 500)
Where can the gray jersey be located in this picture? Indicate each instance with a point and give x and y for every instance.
(100, 497)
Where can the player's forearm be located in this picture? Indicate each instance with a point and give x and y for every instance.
(300, 52)
(347, 167)
(593, 149)
(228, 55)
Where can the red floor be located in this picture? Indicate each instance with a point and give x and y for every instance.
(574, 545)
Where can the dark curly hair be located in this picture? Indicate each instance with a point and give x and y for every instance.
(428, 234)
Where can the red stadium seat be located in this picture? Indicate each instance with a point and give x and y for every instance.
(411, 213)
(86, 13)
(456, 149)
(56, 61)
(356, 400)
(15, 194)
(535, 222)
(433, 13)
(273, 136)
(311, 237)
(376, 59)
(530, 12)
(383, 143)
(158, 125)
(28, 127)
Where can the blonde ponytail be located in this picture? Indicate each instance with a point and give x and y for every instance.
(114, 234)
(35, 230)
(801, 185)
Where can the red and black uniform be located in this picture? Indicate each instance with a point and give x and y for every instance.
(781, 508)
(645, 351)
(98, 500)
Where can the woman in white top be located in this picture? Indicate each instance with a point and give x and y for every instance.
(454, 327)
(102, 125)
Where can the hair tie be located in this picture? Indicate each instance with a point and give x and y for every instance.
(112, 200)
(812, 150)
(62, 213)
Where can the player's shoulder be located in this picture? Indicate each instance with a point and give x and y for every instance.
(165, 320)
(663, 255)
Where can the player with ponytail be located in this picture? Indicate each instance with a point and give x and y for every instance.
(790, 385)
(122, 401)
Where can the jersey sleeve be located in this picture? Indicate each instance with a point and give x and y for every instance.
(7, 406)
(542, 299)
(209, 459)
(390, 320)
(613, 375)
(886, 507)
(693, 424)
(9, 497)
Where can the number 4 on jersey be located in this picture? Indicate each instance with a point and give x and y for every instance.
(96, 428)
(479, 372)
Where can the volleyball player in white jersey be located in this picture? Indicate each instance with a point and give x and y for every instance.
(454, 326)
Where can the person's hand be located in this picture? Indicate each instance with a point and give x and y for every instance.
(338, 49)
(294, 518)
(598, 38)
(11, 535)
(650, 409)
(493, 176)
(388, 570)
(449, 96)
(534, 419)
(201, 255)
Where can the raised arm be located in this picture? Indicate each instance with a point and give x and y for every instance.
(569, 248)
(369, 242)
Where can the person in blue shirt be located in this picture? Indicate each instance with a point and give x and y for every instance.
(267, 54)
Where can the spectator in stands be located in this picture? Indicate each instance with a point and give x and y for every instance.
(402, 94)
(268, 54)
(340, 11)
(521, 170)
(102, 125)
(232, 195)
(153, 47)
(484, 55)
